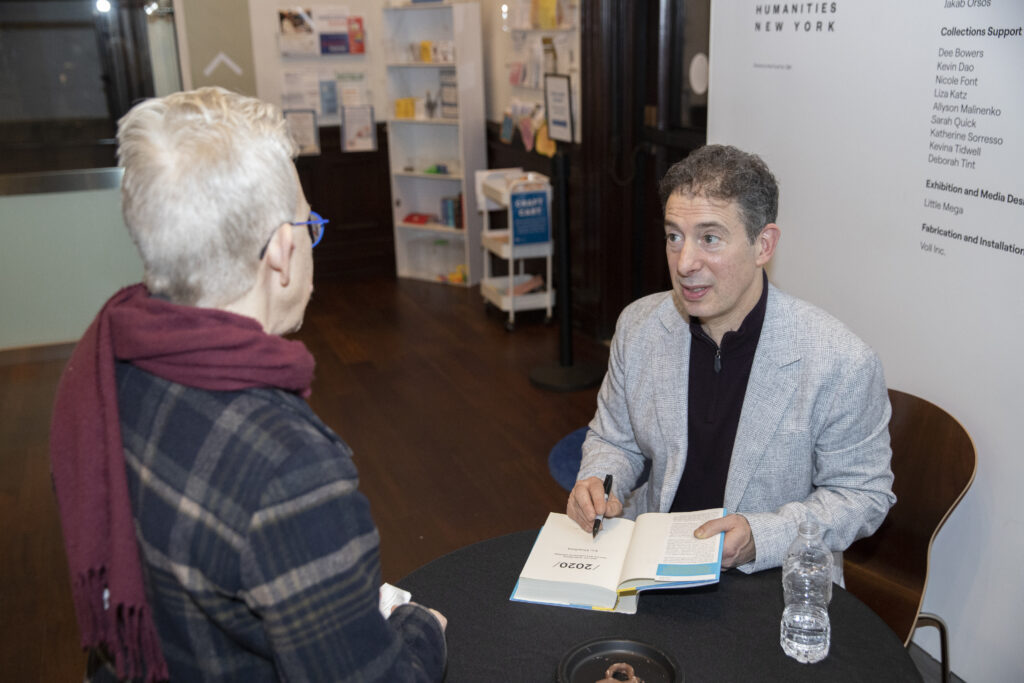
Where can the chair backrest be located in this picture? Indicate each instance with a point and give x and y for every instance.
(933, 462)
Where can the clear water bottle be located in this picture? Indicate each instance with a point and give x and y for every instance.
(805, 632)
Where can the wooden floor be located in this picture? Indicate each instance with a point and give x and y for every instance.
(450, 437)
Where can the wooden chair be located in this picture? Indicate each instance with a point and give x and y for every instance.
(933, 460)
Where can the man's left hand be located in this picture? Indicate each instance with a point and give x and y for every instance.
(738, 546)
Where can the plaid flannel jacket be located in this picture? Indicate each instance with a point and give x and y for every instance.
(260, 557)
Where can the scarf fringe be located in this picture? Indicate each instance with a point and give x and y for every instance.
(132, 642)
(87, 593)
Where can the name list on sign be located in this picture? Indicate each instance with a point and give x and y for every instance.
(967, 118)
(974, 123)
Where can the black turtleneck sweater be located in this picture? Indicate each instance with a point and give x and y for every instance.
(718, 383)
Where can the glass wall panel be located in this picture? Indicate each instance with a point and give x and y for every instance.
(69, 69)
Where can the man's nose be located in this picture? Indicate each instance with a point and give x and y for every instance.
(688, 260)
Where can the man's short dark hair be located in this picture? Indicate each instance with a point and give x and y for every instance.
(724, 173)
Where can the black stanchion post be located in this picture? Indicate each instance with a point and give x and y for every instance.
(566, 375)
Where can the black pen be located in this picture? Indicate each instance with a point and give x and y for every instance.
(607, 490)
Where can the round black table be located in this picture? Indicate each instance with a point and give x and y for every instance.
(725, 632)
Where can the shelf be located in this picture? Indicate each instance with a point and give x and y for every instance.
(560, 29)
(495, 290)
(428, 176)
(431, 227)
(417, 5)
(496, 186)
(540, 88)
(429, 278)
(437, 121)
(454, 138)
(421, 65)
(496, 242)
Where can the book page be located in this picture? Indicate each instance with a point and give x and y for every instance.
(568, 566)
(682, 547)
(664, 548)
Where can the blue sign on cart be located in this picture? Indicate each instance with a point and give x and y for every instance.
(530, 222)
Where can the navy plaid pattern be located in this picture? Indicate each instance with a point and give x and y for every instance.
(260, 557)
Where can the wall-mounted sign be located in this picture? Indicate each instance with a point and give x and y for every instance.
(558, 106)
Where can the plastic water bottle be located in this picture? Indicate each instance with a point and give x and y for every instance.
(805, 632)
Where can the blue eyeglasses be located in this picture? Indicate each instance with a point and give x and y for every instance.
(315, 225)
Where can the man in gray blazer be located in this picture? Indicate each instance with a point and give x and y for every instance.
(736, 394)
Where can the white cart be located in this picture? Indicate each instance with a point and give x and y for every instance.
(527, 199)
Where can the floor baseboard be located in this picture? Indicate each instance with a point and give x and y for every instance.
(36, 354)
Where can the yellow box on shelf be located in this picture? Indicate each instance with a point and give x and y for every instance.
(426, 51)
(405, 108)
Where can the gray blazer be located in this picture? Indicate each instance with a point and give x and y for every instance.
(812, 441)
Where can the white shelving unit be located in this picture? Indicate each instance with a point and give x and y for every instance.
(523, 45)
(496, 190)
(417, 146)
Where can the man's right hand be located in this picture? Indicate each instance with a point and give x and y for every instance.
(586, 501)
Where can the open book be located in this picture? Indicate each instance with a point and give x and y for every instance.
(569, 567)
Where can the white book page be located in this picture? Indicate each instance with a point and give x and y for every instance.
(565, 553)
(661, 539)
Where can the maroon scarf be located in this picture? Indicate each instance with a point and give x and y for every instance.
(198, 347)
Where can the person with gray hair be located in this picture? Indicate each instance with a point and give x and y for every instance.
(733, 394)
(213, 525)
(208, 176)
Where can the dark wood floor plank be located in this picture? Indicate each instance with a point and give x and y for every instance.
(39, 635)
(450, 438)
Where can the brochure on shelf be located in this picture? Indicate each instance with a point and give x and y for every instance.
(303, 129)
(358, 130)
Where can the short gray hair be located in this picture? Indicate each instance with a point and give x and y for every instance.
(724, 173)
(208, 177)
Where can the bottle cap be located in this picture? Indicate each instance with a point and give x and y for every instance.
(809, 527)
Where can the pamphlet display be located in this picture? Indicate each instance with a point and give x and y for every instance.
(537, 38)
(314, 31)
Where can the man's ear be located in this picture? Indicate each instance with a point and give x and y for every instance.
(766, 243)
(279, 252)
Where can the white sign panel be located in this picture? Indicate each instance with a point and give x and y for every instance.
(896, 130)
(558, 105)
